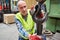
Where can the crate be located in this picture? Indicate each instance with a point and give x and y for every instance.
(9, 18)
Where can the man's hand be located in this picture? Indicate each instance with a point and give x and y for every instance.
(32, 7)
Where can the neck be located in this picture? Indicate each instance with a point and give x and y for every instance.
(24, 15)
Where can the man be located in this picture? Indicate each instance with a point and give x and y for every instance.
(24, 21)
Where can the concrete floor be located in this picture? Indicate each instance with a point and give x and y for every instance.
(10, 32)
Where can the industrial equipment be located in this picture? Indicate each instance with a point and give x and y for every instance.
(53, 22)
(39, 17)
(4, 8)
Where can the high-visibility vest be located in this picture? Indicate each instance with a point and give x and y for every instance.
(28, 25)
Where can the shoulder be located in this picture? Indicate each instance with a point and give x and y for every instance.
(17, 14)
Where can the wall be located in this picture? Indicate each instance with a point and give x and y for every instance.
(30, 3)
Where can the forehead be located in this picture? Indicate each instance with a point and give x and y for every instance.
(22, 3)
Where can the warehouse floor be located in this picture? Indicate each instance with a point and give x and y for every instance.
(10, 32)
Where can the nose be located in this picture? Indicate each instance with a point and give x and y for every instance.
(23, 9)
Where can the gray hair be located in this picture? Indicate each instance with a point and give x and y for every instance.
(19, 2)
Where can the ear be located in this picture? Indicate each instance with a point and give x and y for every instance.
(18, 8)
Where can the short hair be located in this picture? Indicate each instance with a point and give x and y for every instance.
(19, 2)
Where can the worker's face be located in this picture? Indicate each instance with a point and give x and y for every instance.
(23, 8)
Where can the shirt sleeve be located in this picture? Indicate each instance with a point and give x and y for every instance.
(21, 30)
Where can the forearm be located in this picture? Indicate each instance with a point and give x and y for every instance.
(21, 30)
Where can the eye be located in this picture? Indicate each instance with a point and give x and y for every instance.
(21, 7)
(24, 6)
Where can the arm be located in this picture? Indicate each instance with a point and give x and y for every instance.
(21, 30)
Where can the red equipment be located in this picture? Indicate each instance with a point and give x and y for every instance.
(0, 7)
(35, 37)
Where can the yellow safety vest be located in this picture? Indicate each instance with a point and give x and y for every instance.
(27, 25)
